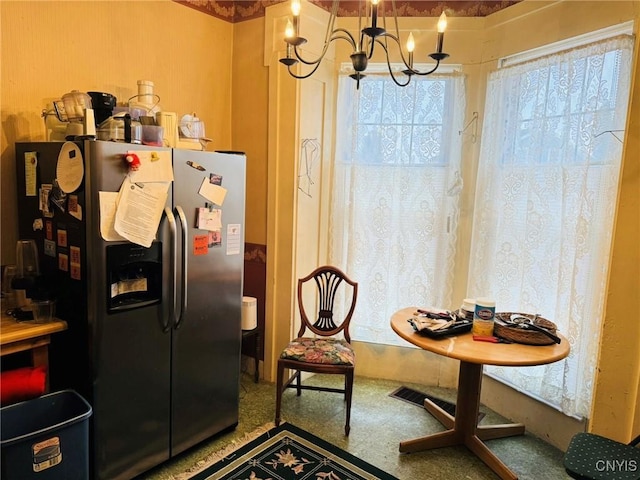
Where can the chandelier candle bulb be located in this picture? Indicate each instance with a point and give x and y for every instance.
(295, 7)
(442, 26)
(295, 10)
(484, 317)
(411, 45)
(288, 31)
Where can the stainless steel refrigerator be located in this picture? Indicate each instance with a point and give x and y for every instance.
(154, 334)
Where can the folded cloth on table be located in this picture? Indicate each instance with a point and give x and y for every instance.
(427, 323)
(437, 313)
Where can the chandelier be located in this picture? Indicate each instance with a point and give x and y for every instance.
(363, 44)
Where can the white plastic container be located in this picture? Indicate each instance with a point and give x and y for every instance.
(249, 313)
(468, 308)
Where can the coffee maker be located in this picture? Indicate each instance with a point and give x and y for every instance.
(103, 105)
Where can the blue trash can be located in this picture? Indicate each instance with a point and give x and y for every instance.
(46, 438)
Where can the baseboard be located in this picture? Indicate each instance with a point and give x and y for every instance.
(539, 419)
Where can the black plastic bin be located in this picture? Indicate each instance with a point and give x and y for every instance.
(46, 438)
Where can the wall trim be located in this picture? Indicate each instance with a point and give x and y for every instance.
(239, 11)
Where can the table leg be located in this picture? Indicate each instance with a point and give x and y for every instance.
(40, 357)
(474, 444)
(489, 432)
(256, 375)
(255, 334)
(439, 413)
(463, 429)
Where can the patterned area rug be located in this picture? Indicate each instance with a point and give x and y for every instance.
(288, 452)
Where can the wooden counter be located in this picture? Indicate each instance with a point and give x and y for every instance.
(24, 336)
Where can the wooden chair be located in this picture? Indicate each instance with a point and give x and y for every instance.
(321, 354)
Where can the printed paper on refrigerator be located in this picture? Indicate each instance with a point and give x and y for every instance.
(139, 210)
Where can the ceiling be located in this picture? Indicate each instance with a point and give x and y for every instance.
(240, 10)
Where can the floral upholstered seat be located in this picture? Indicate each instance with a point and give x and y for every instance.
(330, 351)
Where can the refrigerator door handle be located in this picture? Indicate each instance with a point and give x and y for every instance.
(168, 214)
(183, 280)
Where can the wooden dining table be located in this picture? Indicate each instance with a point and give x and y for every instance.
(28, 336)
(463, 429)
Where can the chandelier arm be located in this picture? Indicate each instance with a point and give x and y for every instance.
(317, 60)
(409, 68)
(332, 20)
(302, 77)
(372, 42)
(348, 38)
(429, 72)
(393, 77)
(397, 40)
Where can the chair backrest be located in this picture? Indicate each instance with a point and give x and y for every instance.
(328, 279)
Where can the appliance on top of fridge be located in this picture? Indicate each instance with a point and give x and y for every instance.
(154, 331)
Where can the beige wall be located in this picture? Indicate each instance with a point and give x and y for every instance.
(250, 94)
(616, 406)
(50, 48)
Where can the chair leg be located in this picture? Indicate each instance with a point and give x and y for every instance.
(298, 383)
(346, 387)
(348, 394)
(279, 379)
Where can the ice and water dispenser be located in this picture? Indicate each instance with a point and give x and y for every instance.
(134, 276)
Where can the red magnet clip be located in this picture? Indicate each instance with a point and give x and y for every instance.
(132, 160)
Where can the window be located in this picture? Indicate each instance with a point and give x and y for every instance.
(545, 202)
(395, 195)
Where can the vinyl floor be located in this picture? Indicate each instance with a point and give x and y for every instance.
(378, 423)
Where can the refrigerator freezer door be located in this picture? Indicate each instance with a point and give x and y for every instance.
(207, 342)
(131, 352)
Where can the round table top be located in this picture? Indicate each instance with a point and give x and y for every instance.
(464, 348)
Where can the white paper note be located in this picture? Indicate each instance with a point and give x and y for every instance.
(139, 210)
(70, 167)
(213, 193)
(108, 203)
(233, 238)
(30, 164)
(209, 219)
(155, 166)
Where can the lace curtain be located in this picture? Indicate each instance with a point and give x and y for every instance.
(545, 204)
(395, 195)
